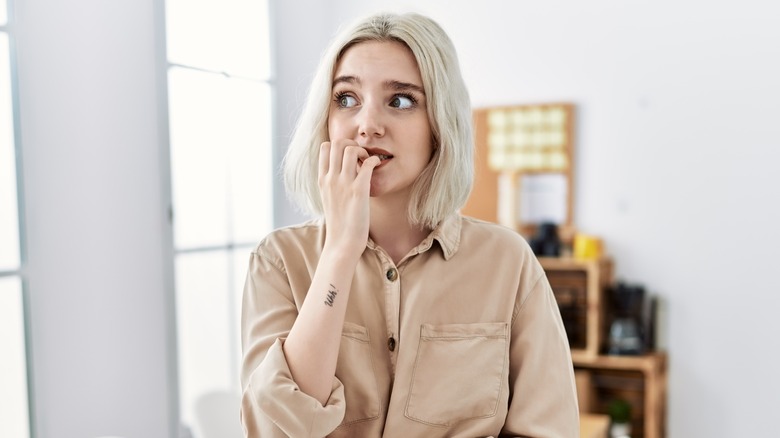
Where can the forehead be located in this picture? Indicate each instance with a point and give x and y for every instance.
(380, 60)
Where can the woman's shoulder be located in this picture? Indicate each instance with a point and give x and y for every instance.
(502, 248)
(483, 232)
(501, 242)
(304, 238)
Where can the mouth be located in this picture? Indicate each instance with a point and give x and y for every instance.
(382, 154)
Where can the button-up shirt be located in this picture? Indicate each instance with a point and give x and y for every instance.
(462, 338)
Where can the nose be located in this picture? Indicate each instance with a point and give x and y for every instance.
(371, 122)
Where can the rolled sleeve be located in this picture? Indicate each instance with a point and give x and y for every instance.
(543, 401)
(273, 405)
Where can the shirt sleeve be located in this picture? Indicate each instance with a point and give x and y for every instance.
(272, 404)
(543, 395)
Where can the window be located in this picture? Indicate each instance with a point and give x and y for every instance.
(14, 414)
(219, 103)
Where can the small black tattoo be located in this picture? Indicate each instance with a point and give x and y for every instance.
(331, 296)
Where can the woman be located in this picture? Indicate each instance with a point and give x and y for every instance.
(392, 315)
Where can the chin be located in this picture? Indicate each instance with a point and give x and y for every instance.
(376, 189)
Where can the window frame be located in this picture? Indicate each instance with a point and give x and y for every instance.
(21, 271)
(170, 248)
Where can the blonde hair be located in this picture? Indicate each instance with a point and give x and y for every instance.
(444, 185)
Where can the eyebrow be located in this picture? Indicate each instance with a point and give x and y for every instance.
(402, 86)
(390, 84)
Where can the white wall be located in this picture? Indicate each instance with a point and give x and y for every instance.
(679, 140)
(298, 40)
(98, 243)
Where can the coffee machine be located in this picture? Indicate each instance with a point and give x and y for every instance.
(632, 320)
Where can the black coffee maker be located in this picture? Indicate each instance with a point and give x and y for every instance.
(628, 334)
(546, 243)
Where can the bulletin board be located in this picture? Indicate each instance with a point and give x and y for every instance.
(524, 167)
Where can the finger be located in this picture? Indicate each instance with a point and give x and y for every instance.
(324, 158)
(363, 178)
(336, 156)
(362, 153)
(353, 156)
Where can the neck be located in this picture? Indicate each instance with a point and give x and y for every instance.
(390, 228)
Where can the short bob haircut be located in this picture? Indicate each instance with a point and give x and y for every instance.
(444, 185)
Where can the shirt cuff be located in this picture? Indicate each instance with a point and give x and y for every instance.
(281, 401)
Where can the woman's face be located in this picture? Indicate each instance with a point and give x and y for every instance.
(379, 103)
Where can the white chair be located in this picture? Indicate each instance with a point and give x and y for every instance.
(217, 415)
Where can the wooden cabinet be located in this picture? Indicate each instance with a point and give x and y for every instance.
(639, 380)
(580, 289)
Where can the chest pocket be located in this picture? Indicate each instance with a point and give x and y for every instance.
(458, 372)
(355, 369)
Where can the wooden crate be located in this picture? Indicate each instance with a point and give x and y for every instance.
(639, 380)
(579, 287)
(594, 426)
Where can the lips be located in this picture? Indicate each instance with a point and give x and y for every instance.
(381, 153)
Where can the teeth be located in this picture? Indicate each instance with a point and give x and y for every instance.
(382, 157)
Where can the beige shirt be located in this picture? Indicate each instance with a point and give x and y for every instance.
(463, 338)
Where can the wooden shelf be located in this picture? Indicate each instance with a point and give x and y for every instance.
(579, 287)
(594, 425)
(571, 263)
(652, 383)
(653, 362)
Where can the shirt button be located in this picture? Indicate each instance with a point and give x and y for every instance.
(392, 274)
(391, 343)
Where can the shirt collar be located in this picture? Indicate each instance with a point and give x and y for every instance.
(447, 233)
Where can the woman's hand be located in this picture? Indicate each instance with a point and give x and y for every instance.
(345, 183)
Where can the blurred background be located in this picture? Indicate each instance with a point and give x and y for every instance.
(140, 143)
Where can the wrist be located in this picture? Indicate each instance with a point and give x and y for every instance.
(342, 253)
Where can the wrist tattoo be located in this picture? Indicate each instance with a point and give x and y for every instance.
(331, 296)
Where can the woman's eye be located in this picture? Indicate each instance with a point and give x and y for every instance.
(402, 102)
(346, 101)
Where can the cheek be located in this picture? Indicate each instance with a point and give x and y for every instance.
(337, 128)
(331, 126)
(424, 138)
(335, 125)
